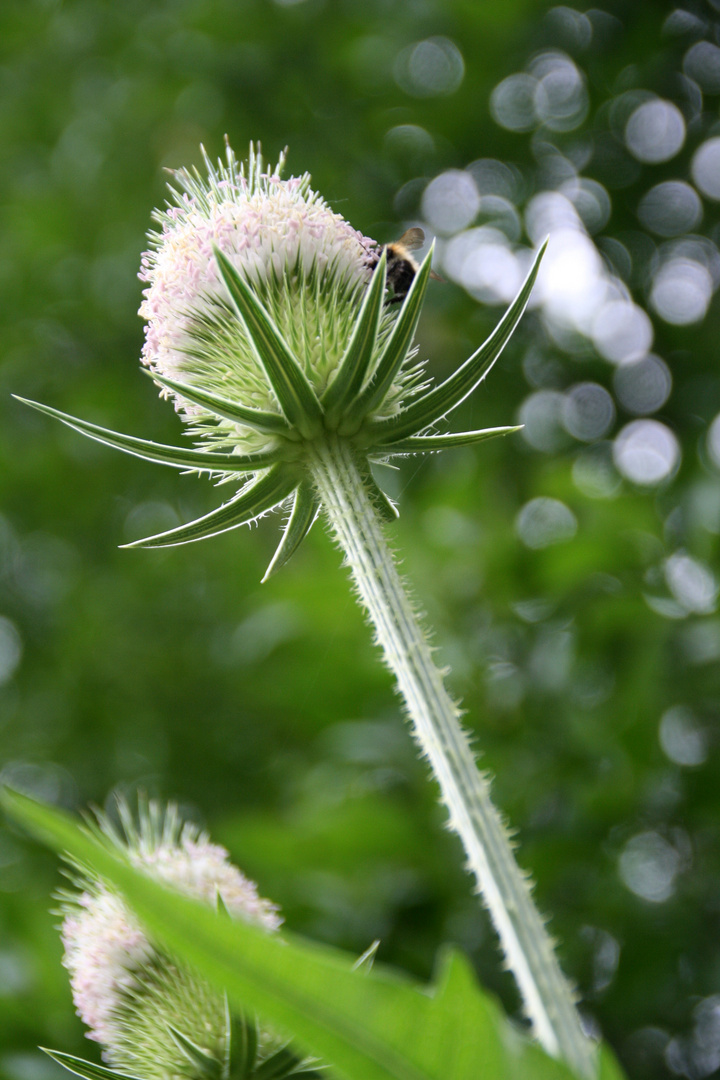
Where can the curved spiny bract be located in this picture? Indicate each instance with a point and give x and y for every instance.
(264, 494)
(434, 405)
(394, 355)
(266, 423)
(304, 511)
(294, 392)
(179, 457)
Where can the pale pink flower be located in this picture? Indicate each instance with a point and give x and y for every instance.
(106, 950)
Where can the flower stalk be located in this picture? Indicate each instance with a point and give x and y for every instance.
(465, 790)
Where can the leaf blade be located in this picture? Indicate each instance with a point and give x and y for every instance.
(370, 1025)
(87, 1069)
(207, 1065)
(384, 505)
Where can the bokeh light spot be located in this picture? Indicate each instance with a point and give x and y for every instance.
(622, 331)
(430, 68)
(670, 208)
(594, 473)
(541, 415)
(705, 168)
(512, 102)
(409, 140)
(702, 63)
(573, 27)
(682, 291)
(543, 522)
(701, 641)
(646, 452)
(560, 97)
(692, 583)
(643, 386)
(655, 131)
(648, 866)
(571, 284)
(451, 201)
(10, 649)
(681, 737)
(713, 441)
(496, 178)
(499, 213)
(588, 411)
(697, 1055)
(591, 201)
(492, 273)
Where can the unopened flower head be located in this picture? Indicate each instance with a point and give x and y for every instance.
(123, 988)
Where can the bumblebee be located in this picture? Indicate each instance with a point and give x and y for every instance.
(401, 266)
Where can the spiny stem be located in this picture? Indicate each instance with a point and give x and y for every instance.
(465, 790)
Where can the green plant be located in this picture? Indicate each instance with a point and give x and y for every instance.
(268, 323)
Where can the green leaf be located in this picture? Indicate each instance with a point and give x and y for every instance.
(441, 400)
(266, 422)
(293, 390)
(355, 364)
(302, 516)
(394, 353)
(202, 1063)
(428, 444)
(609, 1068)
(177, 456)
(84, 1068)
(371, 1026)
(252, 501)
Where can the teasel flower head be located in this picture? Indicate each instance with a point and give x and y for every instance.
(274, 325)
(154, 1017)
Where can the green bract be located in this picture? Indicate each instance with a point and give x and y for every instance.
(268, 324)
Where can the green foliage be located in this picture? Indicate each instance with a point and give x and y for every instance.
(263, 709)
(371, 1025)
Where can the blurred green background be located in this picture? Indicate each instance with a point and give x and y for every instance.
(570, 572)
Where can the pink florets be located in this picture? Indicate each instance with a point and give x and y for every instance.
(266, 226)
(201, 869)
(103, 946)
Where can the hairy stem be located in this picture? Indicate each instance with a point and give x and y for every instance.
(465, 790)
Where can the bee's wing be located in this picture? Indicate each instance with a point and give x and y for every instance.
(412, 239)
